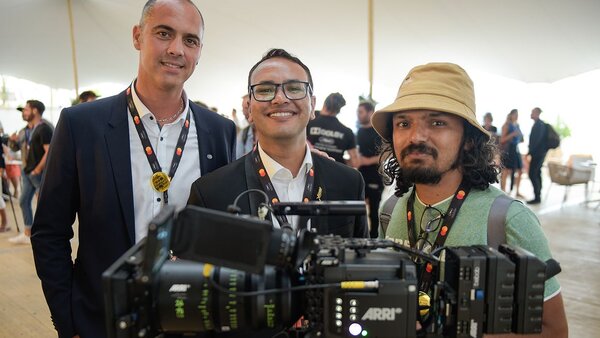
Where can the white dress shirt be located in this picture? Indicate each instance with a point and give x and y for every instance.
(287, 187)
(148, 202)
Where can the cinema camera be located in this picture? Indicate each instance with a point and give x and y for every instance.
(257, 280)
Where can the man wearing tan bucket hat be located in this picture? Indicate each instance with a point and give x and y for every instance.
(443, 164)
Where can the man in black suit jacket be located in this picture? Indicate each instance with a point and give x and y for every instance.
(90, 173)
(281, 164)
(333, 182)
(281, 104)
(537, 152)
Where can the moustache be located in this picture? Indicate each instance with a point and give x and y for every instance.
(419, 148)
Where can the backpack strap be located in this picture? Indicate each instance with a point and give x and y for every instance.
(496, 233)
(386, 214)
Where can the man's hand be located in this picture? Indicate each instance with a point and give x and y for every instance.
(318, 152)
(321, 153)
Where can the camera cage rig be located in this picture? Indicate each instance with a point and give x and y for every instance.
(476, 292)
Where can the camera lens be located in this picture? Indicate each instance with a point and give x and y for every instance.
(187, 301)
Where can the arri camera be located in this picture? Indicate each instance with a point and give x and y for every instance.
(239, 275)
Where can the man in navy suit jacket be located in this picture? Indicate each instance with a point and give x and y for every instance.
(99, 166)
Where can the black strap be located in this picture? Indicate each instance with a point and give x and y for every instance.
(269, 189)
(496, 231)
(386, 214)
(147, 146)
(447, 221)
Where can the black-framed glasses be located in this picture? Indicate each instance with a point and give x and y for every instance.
(293, 90)
(434, 219)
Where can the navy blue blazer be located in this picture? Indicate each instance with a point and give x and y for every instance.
(88, 175)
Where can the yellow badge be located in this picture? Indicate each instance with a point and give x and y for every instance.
(319, 193)
(160, 181)
(424, 303)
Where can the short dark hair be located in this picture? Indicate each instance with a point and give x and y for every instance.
(84, 96)
(150, 5)
(282, 53)
(334, 103)
(369, 107)
(476, 161)
(35, 104)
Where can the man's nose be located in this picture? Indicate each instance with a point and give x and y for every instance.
(279, 96)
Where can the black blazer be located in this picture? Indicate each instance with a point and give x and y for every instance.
(88, 174)
(337, 182)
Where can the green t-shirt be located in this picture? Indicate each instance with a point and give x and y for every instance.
(470, 227)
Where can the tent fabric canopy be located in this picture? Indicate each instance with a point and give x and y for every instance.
(529, 41)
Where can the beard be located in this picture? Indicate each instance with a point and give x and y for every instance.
(416, 172)
(421, 175)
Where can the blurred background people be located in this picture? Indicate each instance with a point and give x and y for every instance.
(3, 221)
(512, 161)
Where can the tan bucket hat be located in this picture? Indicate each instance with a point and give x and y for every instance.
(443, 87)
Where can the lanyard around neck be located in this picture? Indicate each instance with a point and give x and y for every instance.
(160, 181)
(269, 189)
(447, 221)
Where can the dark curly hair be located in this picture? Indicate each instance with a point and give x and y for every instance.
(476, 161)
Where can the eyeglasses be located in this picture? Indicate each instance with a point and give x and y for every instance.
(293, 90)
(435, 218)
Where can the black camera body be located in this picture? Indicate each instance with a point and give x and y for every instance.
(386, 306)
(339, 287)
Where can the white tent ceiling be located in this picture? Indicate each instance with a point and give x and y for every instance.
(530, 41)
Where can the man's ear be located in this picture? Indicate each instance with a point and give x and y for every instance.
(250, 118)
(137, 35)
(313, 102)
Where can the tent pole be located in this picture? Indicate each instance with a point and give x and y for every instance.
(370, 49)
(73, 52)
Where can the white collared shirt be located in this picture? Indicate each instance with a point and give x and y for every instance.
(287, 187)
(148, 202)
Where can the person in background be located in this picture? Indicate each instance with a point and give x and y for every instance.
(36, 144)
(513, 163)
(3, 220)
(87, 96)
(326, 133)
(537, 153)
(246, 138)
(487, 125)
(369, 143)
